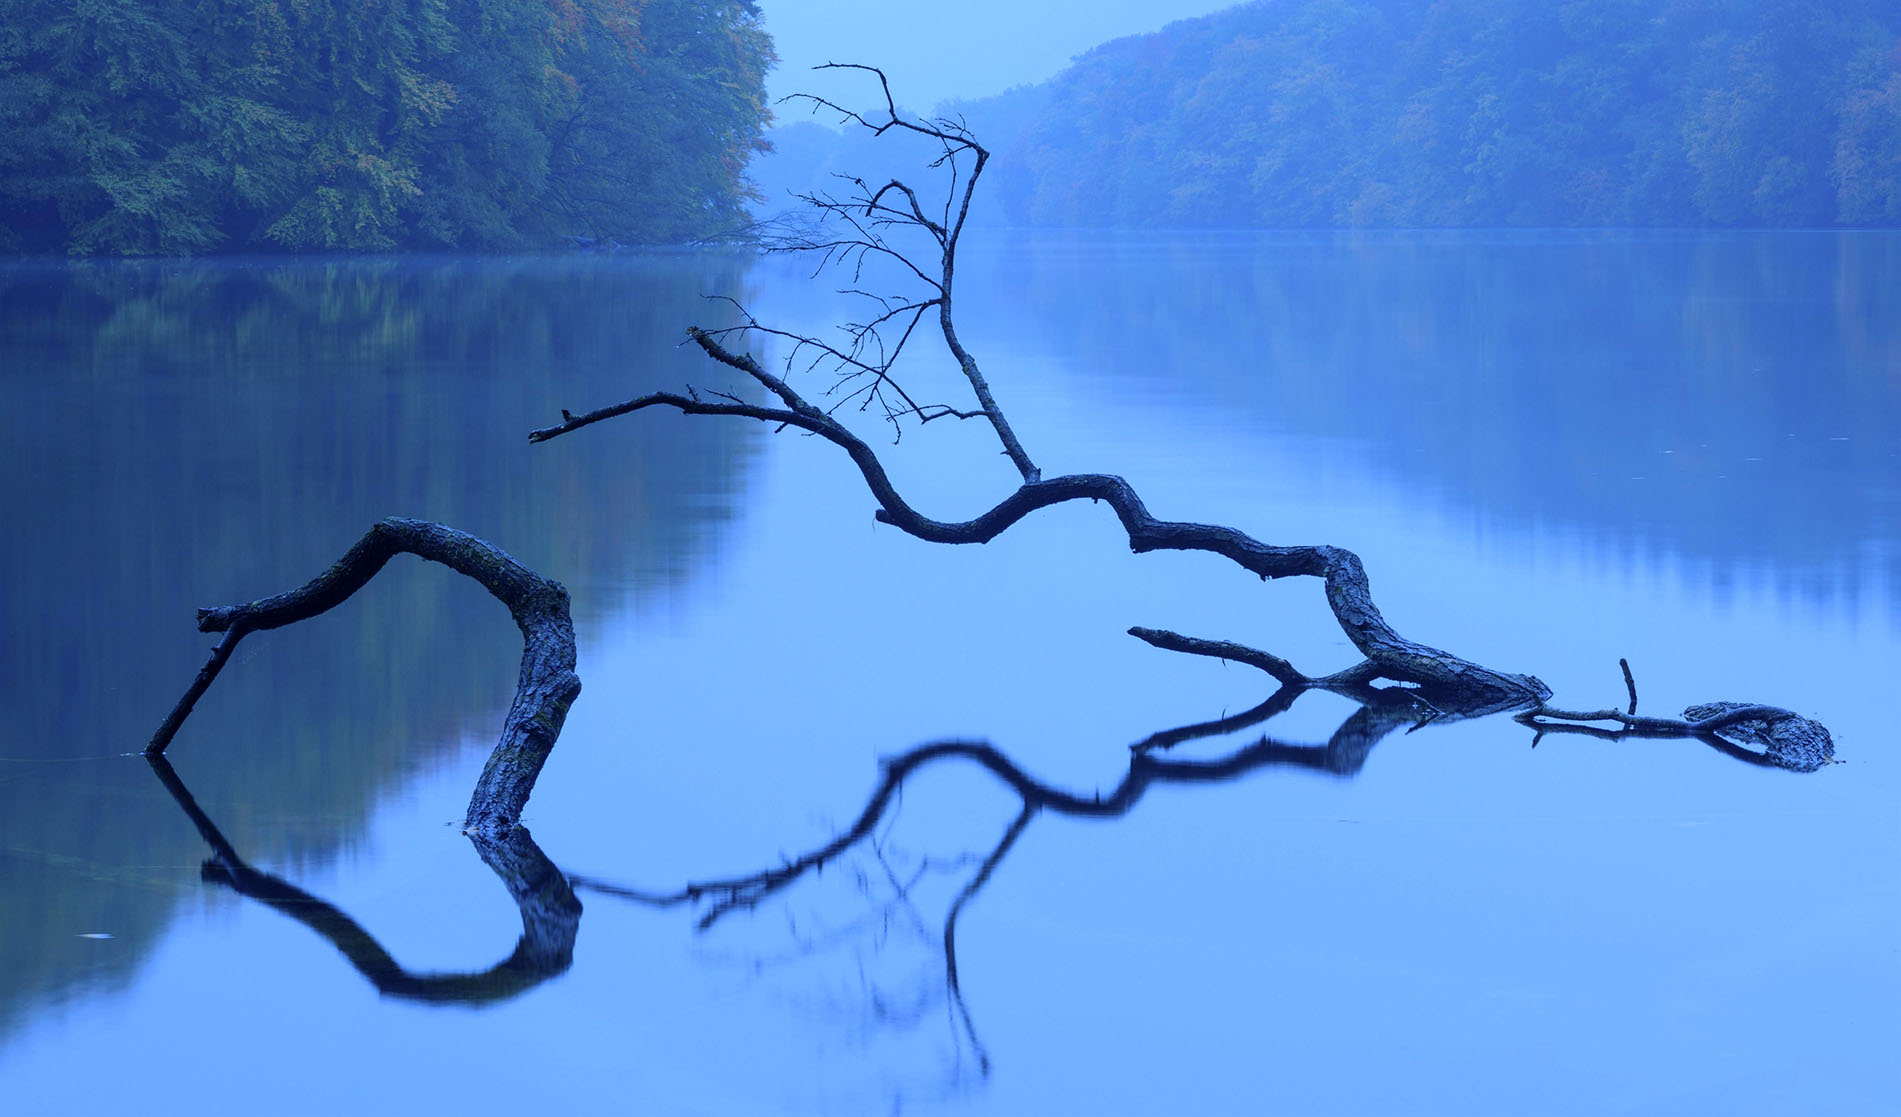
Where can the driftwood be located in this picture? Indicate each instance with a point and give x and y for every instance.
(871, 225)
(547, 686)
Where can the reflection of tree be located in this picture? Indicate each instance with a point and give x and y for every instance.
(550, 913)
(1379, 712)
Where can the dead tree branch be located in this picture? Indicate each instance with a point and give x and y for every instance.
(546, 688)
(859, 224)
(1786, 738)
(847, 230)
(1388, 654)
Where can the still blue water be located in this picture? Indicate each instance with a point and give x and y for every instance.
(1552, 451)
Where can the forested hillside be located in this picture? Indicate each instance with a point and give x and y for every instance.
(1469, 112)
(188, 126)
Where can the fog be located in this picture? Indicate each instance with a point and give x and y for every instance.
(978, 48)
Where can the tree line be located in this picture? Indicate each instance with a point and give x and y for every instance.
(191, 126)
(1286, 113)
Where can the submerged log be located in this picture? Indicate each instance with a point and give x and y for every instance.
(547, 686)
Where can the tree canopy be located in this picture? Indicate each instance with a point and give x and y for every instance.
(208, 125)
(1284, 113)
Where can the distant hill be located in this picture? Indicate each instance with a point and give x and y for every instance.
(1290, 113)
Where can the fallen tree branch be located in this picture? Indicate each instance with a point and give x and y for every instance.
(1787, 739)
(866, 218)
(1389, 654)
(547, 686)
(1443, 680)
(1353, 680)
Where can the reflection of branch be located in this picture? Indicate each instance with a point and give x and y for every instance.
(1787, 739)
(1381, 711)
(547, 685)
(976, 884)
(550, 913)
(1343, 755)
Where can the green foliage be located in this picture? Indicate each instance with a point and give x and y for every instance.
(131, 127)
(1286, 113)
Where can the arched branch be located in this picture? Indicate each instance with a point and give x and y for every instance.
(547, 686)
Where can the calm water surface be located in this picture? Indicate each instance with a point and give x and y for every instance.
(1551, 450)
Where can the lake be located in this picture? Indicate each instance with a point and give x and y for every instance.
(1552, 450)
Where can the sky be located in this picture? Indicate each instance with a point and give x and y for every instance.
(934, 53)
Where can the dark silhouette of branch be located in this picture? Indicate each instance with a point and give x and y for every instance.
(1342, 756)
(1788, 740)
(550, 913)
(1383, 711)
(847, 229)
(1388, 654)
(863, 218)
(547, 686)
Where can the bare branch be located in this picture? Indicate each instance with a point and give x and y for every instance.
(1348, 593)
(686, 405)
(953, 140)
(547, 686)
(800, 342)
(1788, 739)
(1443, 681)
(917, 210)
